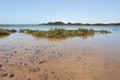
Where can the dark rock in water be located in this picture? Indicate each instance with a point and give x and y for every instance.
(1, 65)
(21, 63)
(85, 63)
(53, 72)
(15, 51)
(11, 75)
(37, 51)
(11, 54)
(25, 63)
(29, 79)
(7, 60)
(4, 75)
(34, 69)
(41, 62)
(26, 48)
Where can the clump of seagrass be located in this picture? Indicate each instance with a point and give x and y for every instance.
(7, 31)
(62, 33)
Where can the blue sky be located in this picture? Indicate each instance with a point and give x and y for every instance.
(40, 11)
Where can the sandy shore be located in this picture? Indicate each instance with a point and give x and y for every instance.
(57, 60)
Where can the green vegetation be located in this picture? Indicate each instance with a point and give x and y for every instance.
(62, 33)
(104, 31)
(56, 33)
(6, 31)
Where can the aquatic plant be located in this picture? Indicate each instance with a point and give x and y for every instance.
(11, 30)
(6, 31)
(62, 33)
(104, 31)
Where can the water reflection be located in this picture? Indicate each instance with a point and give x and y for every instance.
(60, 39)
(3, 36)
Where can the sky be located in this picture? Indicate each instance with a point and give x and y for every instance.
(43, 11)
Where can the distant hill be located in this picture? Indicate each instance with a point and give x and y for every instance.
(81, 24)
(59, 23)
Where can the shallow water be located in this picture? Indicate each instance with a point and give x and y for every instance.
(76, 58)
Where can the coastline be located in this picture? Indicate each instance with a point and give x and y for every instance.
(58, 25)
(64, 24)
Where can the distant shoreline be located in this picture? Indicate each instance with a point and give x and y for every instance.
(64, 24)
(57, 25)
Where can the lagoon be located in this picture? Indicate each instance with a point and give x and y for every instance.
(76, 58)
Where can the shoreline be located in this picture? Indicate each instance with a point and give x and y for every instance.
(59, 25)
(63, 24)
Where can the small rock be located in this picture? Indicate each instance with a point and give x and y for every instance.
(4, 75)
(85, 63)
(29, 79)
(41, 62)
(34, 69)
(11, 55)
(11, 75)
(26, 48)
(15, 51)
(25, 63)
(7, 60)
(1, 65)
(53, 72)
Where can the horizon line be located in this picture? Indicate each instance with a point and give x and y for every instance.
(56, 21)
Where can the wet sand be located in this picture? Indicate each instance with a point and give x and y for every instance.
(26, 58)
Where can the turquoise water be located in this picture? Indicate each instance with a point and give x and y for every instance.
(45, 28)
(113, 38)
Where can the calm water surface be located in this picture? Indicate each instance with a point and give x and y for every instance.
(91, 58)
(107, 40)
